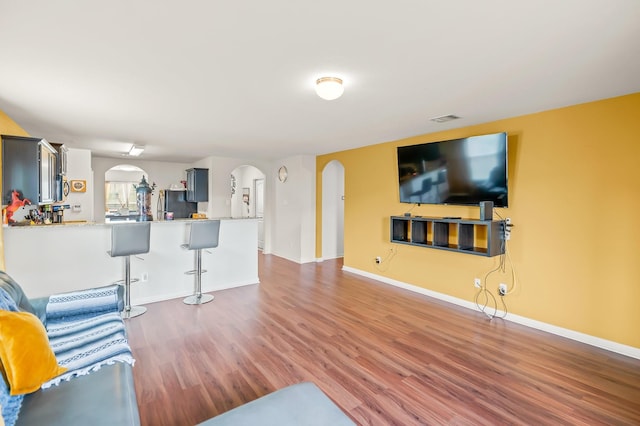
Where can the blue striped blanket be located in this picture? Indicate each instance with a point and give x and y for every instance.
(82, 304)
(86, 332)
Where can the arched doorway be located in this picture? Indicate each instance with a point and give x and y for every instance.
(247, 196)
(120, 192)
(333, 210)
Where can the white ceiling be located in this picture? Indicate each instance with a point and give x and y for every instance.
(197, 78)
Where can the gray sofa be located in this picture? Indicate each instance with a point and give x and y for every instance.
(302, 404)
(103, 397)
(107, 396)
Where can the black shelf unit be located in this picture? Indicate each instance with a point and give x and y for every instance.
(472, 236)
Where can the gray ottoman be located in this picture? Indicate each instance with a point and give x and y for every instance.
(303, 404)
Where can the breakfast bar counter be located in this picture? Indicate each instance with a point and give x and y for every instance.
(57, 258)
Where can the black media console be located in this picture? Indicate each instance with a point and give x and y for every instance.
(473, 236)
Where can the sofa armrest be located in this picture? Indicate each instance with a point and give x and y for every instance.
(299, 404)
(84, 303)
(104, 397)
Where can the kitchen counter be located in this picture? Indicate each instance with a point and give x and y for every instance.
(55, 258)
(43, 225)
(109, 223)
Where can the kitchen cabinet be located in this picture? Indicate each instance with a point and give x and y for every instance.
(197, 185)
(62, 152)
(29, 166)
(62, 184)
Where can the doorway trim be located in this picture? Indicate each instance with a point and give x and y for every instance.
(333, 210)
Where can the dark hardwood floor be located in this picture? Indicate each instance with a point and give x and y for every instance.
(384, 355)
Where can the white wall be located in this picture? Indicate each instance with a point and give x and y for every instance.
(219, 204)
(162, 173)
(295, 203)
(79, 168)
(125, 175)
(220, 169)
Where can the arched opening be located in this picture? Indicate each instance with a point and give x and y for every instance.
(333, 210)
(120, 192)
(247, 196)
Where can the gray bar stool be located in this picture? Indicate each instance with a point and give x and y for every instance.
(128, 239)
(202, 235)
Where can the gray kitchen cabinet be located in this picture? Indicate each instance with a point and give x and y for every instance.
(29, 166)
(197, 185)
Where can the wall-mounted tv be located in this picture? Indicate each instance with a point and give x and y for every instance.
(458, 171)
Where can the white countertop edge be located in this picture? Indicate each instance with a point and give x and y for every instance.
(76, 224)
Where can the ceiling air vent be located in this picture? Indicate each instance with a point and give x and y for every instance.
(444, 118)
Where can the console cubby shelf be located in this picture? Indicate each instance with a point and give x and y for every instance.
(473, 236)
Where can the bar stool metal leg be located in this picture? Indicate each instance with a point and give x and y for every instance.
(129, 311)
(198, 298)
(127, 240)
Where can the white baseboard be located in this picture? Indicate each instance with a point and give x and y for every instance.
(322, 259)
(154, 299)
(300, 261)
(609, 345)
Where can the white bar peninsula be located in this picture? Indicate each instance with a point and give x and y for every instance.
(50, 259)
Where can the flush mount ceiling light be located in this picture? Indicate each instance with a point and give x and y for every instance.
(444, 118)
(329, 88)
(136, 150)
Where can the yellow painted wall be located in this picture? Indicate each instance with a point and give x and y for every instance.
(574, 182)
(7, 127)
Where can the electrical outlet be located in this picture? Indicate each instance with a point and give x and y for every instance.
(507, 229)
(477, 283)
(378, 259)
(144, 277)
(502, 289)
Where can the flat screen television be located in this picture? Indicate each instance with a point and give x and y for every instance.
(458, 171)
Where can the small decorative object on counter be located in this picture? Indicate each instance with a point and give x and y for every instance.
(17, 202)
(47, 214)
(58, 212)
(168, 215)
(143, 200)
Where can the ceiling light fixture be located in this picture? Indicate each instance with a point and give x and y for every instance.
(136, 150)
(444, 118)
(329, 88)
